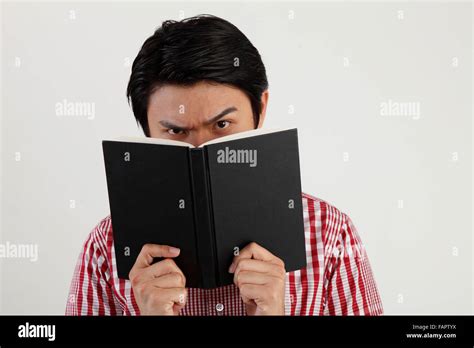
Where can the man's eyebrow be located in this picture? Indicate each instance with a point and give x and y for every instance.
(221, 114)
(169, 124)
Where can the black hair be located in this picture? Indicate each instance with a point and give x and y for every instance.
(200, 48)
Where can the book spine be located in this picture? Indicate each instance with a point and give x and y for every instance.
(203, 220)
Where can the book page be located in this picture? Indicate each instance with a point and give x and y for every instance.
(242, 135)
(157, 141)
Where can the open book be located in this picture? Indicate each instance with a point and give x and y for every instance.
(209, 201)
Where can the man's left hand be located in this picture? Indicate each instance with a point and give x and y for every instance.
(260, 277)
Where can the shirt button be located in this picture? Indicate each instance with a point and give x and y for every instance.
(219, 307)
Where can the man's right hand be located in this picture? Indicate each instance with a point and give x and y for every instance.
(159, 288)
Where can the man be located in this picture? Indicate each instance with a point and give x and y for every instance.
(195, 80)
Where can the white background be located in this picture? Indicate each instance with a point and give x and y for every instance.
(332, 63)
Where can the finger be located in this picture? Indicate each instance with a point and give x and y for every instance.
(156, 270)
(246, 277)
(170, 280)
(259, 266)
(255, 251)
(150, 251)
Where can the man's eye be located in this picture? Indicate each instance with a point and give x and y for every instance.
(222, 124)
(175, 131)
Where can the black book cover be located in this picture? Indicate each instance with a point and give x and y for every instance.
(209, 201)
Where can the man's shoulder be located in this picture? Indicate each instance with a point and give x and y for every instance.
(105, 225)
(329, 220)
(321, 207)
(102, 232)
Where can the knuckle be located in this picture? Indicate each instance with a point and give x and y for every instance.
(131, 274)
(279, 270)
(238, 278)
(241, 264)
(243, 288)
(184, 295)
(140, 289)
(282, 282)
(167, 262)
(178, 278)
(146, 247)
(134, 280)
(279, 284)
(281, 262)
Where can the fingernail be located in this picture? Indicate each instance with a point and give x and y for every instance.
(173, 250)
(232, 268)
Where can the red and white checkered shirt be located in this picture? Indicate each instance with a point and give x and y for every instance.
(338, 279)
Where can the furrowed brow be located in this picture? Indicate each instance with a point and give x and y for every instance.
(220, 115)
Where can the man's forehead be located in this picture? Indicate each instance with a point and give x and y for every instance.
(196, 91)
(199, 101)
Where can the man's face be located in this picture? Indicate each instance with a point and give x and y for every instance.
(199, 113)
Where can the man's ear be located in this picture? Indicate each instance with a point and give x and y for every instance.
(264, 101)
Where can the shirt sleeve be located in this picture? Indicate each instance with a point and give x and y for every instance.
(90, 292)
(351, 288)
